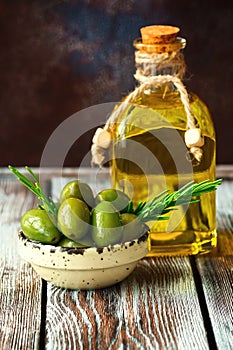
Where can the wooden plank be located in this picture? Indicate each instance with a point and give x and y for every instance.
(224, 171)
(216, 271)
(156, 307)
(48, 173)
(217, 280)
(20, 288)
(225, 218)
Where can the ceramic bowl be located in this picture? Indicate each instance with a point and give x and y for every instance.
(83, 268)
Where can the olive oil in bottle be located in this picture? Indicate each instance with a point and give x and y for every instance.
(150, 152)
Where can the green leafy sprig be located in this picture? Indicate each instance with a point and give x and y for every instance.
(163, 203)
(36, 188)
(156, 209)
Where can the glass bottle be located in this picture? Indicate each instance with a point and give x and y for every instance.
(149, 153)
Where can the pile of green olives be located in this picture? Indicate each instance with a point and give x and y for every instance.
(83, 220)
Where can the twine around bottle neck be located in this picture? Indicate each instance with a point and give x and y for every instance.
(167, 63)
(173, 62)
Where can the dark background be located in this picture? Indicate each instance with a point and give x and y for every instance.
(58, 57)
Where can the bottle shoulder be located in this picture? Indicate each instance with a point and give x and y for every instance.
(155, 109)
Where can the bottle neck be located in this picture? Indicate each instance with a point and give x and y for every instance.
(158, 64)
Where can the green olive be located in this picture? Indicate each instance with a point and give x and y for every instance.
(80, 190)
(69, 243)
(37, 226)
(132, 227)
(118, 198)
(107, 228)
(73, 218)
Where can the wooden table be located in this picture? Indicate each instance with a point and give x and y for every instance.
(167, 303)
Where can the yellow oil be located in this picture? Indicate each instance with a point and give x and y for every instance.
(149, 155)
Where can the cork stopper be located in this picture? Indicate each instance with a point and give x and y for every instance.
(159, 34)
(159, 39)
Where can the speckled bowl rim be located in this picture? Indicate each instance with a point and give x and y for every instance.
(83, 258)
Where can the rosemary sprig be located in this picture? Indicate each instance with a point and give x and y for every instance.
(156, 209)
(36, 188)
(163, 203)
